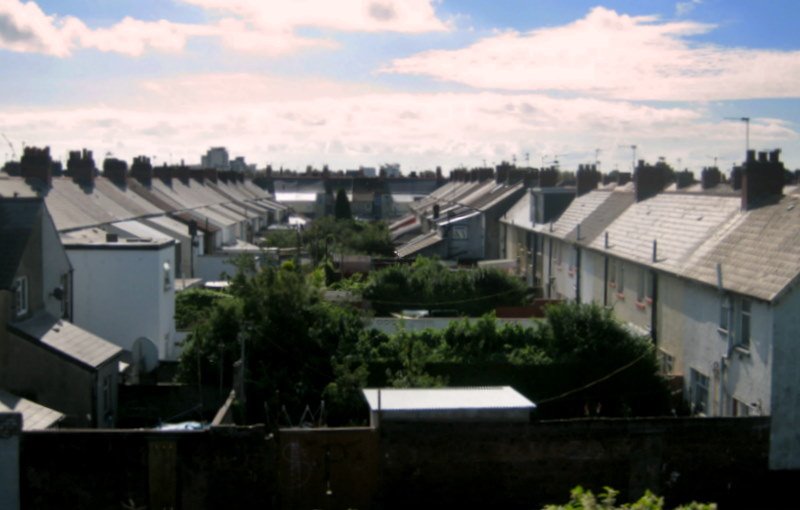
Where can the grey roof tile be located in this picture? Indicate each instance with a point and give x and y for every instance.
(68, 339)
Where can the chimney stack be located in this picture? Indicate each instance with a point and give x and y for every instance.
(587, 178)
(684, 179)
(181, 172)
(649, 180)
(115, 170)
(37, 164)
(164, 173)
(80, 166)
(762, 180)
(198, 175)
(710, 177)
(548, 177)
(211, 174)
(142, 170)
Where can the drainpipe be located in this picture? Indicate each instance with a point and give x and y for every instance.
(550, 268)
(605, 281)
(654, 310)
(578, 275)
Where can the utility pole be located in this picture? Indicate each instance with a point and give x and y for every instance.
(633, 150)
(746, 121)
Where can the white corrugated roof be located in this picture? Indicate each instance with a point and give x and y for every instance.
(417, 399)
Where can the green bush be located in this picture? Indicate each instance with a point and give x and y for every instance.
(581, 499)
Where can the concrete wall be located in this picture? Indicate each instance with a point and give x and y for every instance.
(120, 295)
(785, 444)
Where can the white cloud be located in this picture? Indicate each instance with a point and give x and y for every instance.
(684, 8)
(292, 123)
(612, 55)
(24, 27)
(410, 16)
(265, 27)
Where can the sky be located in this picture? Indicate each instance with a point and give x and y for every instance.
(422, 83)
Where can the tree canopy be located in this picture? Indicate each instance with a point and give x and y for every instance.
(341, 209)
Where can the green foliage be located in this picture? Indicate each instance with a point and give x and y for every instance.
(428, 285)
(582, 499)
(349, 236)
(341, 209)
(284, 238)
(193, 305)
(290, 336)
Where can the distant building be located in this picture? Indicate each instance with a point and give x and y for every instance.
(239, 165)
(217, 158)
(391, 170)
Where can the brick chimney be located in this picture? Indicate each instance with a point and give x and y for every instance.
(530, 177)
(649, 180)
(503, 172)
(142, 170)
(80, 166)
(115, 170)
(180, 172)
(210, 174)
(587, 178)
(198, 175)
(762, 180)
(684, 179)
(548, 177)
(37, 164)
(164, 173)
(710, 177)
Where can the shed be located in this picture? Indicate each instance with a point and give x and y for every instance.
(472, 404)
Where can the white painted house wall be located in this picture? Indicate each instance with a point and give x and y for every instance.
(785, 405)
(55, 265)
(120, 295)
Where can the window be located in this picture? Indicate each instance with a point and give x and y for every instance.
(724, 314)
(460, 232)
(698, 392)
(640, 285)
(666, 362)
(648, 286)
(743, 338)
(167, 276)
(20, 296)
(621, 278)
(612, 273)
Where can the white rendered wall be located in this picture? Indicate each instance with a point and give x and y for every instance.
(55, 264)
(119, 295)
(784, 436)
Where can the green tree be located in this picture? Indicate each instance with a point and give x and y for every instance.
(341, 210)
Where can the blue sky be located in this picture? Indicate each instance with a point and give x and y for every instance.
(418, 82)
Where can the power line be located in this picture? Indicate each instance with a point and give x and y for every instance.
(597, 381)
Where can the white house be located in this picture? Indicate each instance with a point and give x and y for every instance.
(125, 290)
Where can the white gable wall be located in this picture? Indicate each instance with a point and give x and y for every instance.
(120, 295)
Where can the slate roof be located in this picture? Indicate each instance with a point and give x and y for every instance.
(759, 255)
(419, 243)
(18, 219)
(34, 416)
(594, 212)
(66, 338)
(681, 223)
(417, 399)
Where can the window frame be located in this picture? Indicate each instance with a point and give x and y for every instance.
(745, 315)
(21, 296)
(460, 233)
(699, 381)
(724, 314)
